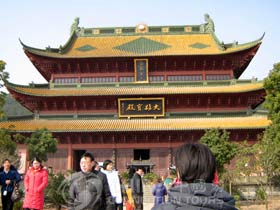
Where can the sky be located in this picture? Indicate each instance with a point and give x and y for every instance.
(47, 23)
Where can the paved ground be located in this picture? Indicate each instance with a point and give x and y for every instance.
(147, 206)
(273, 204)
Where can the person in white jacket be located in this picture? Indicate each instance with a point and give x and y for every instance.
(114, 183)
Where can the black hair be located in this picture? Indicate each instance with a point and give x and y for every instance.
(6, 160)
(36, 159)
(139, 168)
(195, 162)
(94, 168)
(12, 167)
(106, 163)
(88, 155)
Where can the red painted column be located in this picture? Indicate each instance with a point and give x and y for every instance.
(70, 157)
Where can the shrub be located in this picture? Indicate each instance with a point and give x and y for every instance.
(275, 180)
(124, 177)
(18, 205)
(149, 178)
(57, 191)
(261, 194)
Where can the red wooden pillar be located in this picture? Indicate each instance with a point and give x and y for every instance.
(70, 157)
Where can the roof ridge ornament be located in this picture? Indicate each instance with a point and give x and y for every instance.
(209, 26)
(141, 28)
(75, 25)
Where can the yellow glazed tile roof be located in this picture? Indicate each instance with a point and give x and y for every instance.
(135, 90)
(143, 45)
(251, 122)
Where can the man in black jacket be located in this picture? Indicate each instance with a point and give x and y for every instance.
(137, 189)
(88, 188)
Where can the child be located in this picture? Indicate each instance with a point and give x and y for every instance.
(129, 203)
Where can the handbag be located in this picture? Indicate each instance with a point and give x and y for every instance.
(16, 194)
(129, 206)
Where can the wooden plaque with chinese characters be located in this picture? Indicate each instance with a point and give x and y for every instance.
(141, 107)
(141, 70)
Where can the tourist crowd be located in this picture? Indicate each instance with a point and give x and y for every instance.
(97, 187)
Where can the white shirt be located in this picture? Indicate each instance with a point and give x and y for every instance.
(114, 185)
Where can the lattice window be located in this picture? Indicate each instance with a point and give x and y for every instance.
(184, 78)
(217, 77)
(156, 78)
(98, 79)
(126, 79)
(72, 80)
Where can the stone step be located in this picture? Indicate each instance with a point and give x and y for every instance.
(148, 196)
(147, 193)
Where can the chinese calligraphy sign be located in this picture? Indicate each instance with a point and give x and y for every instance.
(141, 107)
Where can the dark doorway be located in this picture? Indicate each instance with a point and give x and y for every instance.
(77, 154)
(141, 154)
(141, 159)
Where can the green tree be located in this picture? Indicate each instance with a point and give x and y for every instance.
(268, 159)
(8, 148)
(270, 142)
(3, 77)
(223, 150)
(272, 99)
(40, 144)
(269, 152)
(244, 164)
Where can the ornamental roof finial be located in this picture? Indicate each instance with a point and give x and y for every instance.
(75, 25)
(209, 26)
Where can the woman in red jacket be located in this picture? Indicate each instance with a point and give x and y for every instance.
(35, 181)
